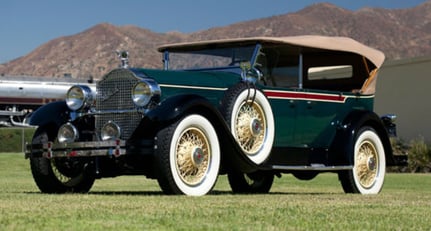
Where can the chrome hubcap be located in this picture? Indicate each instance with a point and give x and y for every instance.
(198, 156)
(256, 127)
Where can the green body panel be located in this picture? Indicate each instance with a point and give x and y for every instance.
(304, 118)
(211, 84)
(312, 123)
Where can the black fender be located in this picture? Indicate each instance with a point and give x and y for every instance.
(52, 113)
(342, 148)
(174, 108)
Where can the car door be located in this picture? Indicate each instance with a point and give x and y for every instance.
(321, 103)
(316, 118)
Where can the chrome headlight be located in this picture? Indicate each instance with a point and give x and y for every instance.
(67, 133)
(144, 92)
(110, 131)
(79, 96)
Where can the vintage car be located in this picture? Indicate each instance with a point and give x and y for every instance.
(251, 108)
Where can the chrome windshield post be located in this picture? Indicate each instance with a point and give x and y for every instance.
(256, 53)
(301, 71)
(166, 60)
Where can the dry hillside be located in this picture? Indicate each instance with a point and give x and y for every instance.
(400, 33)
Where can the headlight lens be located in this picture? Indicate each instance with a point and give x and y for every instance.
(110, 131)
(67, 133)
(145, 91)
(78, 97)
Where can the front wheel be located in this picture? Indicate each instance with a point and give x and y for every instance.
(59, 175)
(188, 155)
(368, 173)
(256, 182)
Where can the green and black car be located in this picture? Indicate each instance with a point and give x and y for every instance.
(251, 108)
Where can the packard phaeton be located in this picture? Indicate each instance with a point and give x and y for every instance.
(251, 108)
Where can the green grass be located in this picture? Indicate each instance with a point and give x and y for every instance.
(136, 203)
(12, 139)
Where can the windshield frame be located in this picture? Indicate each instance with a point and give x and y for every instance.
(251, 52)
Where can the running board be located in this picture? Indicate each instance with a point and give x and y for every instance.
(313, 167)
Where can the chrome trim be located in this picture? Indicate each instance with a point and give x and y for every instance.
(124, 58)
(301, 71)
(166, 60)
(256, 53)
(63, 139)
(152, 98)
(78, 149)
(105, 112)
(87, 96)
(317, 167)
(104, 135)
(194, 87)
(389, 117)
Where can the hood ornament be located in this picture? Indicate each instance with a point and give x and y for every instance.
(124, 58)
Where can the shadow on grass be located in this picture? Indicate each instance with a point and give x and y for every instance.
(212, 193)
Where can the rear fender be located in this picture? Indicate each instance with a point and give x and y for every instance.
(51, 113)
(342, 148)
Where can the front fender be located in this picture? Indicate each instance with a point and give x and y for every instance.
(168, 112)
(174, 108)
(342, 148)
(55, 112)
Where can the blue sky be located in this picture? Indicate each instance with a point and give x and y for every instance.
(27, 24)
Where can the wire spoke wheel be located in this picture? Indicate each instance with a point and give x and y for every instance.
(193, 156)
(59, 175)
(250, 127)
(368, 173)
(249, 115)
(366, 164)
(188, 154)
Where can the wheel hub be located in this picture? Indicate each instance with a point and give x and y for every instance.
(255, 127)
(371, 163)
(198, 156)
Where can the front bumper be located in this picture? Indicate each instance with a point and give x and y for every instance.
(77, 149)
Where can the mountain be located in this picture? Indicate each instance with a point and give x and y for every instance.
(399, 33)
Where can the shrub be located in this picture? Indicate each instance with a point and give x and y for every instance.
(418, 153)
(419, 156)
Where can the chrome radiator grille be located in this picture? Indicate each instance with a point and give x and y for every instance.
(114, 93)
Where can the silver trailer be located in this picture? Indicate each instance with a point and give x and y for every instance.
(20, 96)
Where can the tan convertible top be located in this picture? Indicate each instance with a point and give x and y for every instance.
(306, 41)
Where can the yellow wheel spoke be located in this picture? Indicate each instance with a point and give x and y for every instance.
(366, 164)
(193, 154)
(250, 127)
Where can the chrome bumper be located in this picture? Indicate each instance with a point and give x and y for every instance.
(77, 149)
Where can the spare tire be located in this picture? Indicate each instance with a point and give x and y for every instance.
(251, 121)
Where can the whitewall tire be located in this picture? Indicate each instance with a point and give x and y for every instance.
(189, 156)
(250, 118)
(368, 173)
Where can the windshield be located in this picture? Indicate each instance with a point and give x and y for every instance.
(210, 58)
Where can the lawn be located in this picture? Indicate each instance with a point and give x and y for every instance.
(136, 203)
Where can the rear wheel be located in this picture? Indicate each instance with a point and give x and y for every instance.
(59, 175)
(368, 173)
(256, 182)
(188, 154)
